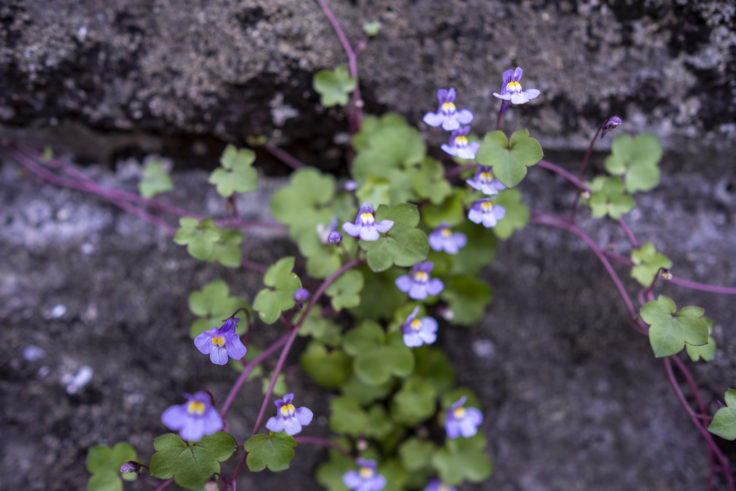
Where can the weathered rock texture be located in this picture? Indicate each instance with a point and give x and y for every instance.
(192, 74)
(573, 398)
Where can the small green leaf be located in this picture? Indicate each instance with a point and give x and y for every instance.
(191, 465)
(274, 451)
(378, 298)
(213, 304)
(269, 303)
(415, 402)
(509, 158)
(334, 86)
(706, 352)
(155, 180)
(467, 298)
(371, 28)
(345, 291)
(200, 238)
(637, 159)
(329, 369)
(670, 329)
(227, 249)
(346, 416)
(104, 464)
(404, 245)
(416, 454)
(237, 173)
(434, 367)
(329, 474)
(517, 213)
(463, 459)
(724, 421)
(647, 262)
(608, 198)
(279, 387)
(320, 328)
(377, 356)
(430, 181)
(450, 211)
(364, 393)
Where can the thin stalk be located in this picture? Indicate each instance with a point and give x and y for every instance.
(501, 110)
(283, 156)
(582, 171)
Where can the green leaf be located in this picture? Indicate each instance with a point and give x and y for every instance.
(706, 352)
(509, 158)
(346, 416)
(404, 245)
(329, 474)
(378, 424)
(377, 356)
(371, 28)
(637, 160)
(334, 86)
(479, 250)
(394, 473)
(319, 328)
(364, 393)
(227, 249)
(345, 291)
(378, 298)
(450, 211)
(269, 303)
(329, 369)
(670, 329)
(724, 421)
(236, 173)
(274, 451)
(647, 262)
(517, 213)
(279, 387)
(155, 180)
(200, 238)
(416, 454)
(608, 198)
(430, 181)
(415, 402)
(104, 464)
(193, 464)
(463, 459)
(434, 367)
(467, 298)
(213, 304)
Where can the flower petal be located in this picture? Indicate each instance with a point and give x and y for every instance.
(351, 229)
(418, 291)
(403, 283)
(218, 355)
(292, 426)
(464, 116)
(351, 479)
(203, 342)
(175, 417)
(384, 226)
(433, 119)
(304, 415)
(412, 339)
(449, 124)
(434, 286)
(275, 424)
(369, 234)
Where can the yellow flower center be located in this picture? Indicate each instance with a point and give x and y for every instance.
(446, 232)
(421, 276)
(196, 408)
(486, 176)
(366, 472)
(513, 86)
(461, 141)
(487, 206)
(287, 410)
(366, 218)
(416, 324)
(459, 412)
(218, 341)
(448, 107)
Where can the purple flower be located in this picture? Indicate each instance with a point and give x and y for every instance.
(443, 239)
(288, 418)
(365, 478)
(194, 419)
(324, 232)
(447, 115)
(335, 237)
(130, 466)
(419, 284)
(419, 331)
(511, 88)
(611, 124)
(437, 485)
(459, 145)
(484, 211)
(221, 342)
(301, 295)
(462, 420)
(484, 181)
(365, 225)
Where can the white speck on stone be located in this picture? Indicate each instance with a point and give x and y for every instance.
(280, 112)
(33, 353)
(484, 348)
(82, 32)
(134, 399)
(87, 248)
(77, 381)
(90, 313)
(58, 311)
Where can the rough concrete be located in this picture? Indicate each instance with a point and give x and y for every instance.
(574, 399)
(190, 76)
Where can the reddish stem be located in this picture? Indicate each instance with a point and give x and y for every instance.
(283, 156)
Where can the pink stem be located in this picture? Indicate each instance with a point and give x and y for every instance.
(559, 170)
(283, 156)
(725, 290)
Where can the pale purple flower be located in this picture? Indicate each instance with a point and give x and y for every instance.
(484, 181)
(611, 124)
(365, 225)
(447, 114)
(419, 331)
(221, 342)
(459, 145)
(419, 284)
(324, 232)
(365, 478)
(301, 295)
(462, 420)
(437, 485)
(444, 239)
(335, 237)
(194, 419)
(130, 466)
(485, 212)
(511, 88)
(289, 418)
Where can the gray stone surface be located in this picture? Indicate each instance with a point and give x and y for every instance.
(573, 398)
(189, 77)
